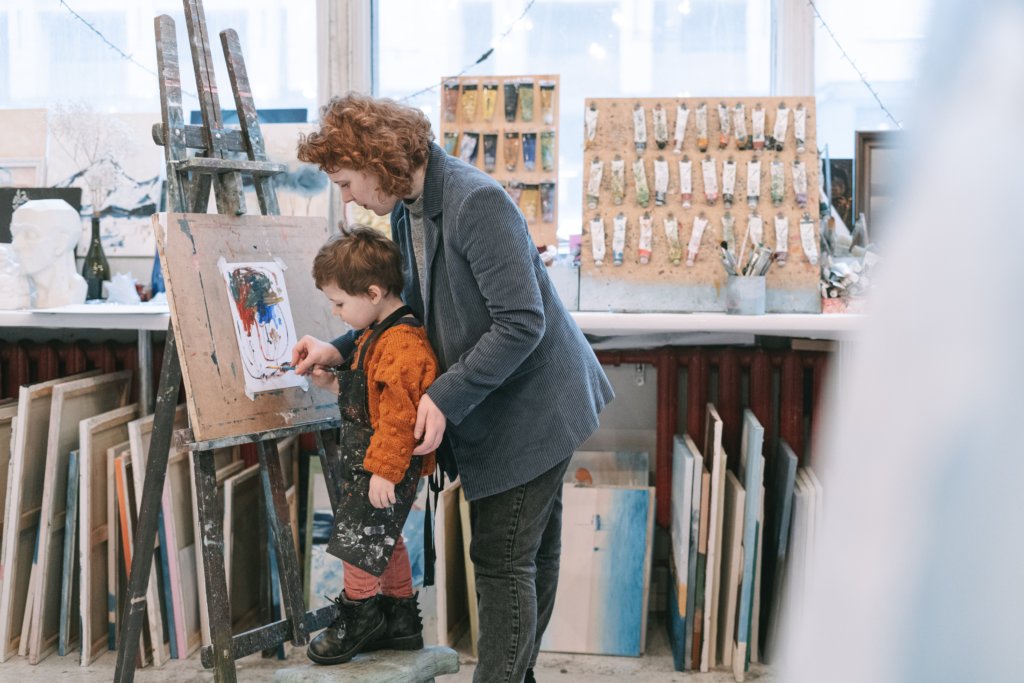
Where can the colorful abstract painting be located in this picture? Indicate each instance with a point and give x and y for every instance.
(263, 323)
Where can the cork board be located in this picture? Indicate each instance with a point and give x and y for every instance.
(661, 285)
(203, 316)
(463, 113)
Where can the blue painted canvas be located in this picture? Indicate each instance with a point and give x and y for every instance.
(601, 605)
(69, 573)
(681, 597)
(778, 513)
(751, 464)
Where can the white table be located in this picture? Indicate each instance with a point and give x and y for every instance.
(144, 318)
(830, 326)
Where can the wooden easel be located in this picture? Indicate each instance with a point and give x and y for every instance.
(189, 180)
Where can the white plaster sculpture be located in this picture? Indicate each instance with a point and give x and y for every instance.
(121, 289)
(45, 233)
(14, 285)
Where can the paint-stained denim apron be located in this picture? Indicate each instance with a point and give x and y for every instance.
(363, 535)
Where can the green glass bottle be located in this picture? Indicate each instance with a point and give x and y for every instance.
(95, 269)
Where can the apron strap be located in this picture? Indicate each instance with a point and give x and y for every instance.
(435, 482)
(380, 328)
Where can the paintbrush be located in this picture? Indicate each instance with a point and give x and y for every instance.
(727, 259)
(283, 368)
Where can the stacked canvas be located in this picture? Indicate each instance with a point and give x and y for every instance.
(733, 551)
(72, 460)
(807, 514)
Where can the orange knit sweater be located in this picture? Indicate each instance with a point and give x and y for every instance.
(399, 368)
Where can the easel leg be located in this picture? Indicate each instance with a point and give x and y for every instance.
(276, 505)
(218, 605)
(149, 510)
(327, 450)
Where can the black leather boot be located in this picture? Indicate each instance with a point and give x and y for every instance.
(529, 676)
(404, 626)
(358, 625)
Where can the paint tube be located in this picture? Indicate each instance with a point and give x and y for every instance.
(702, 127)
(778, 182)
(757, 123)
(700, 222)
(724, 125)
(469, 147)
(597, 239)
(753, 183)
(618, 180)
(547, 202)
(468, 101)
(781, 239)
(682, 114)
(739, 117)
(800, 128)
(643, 192)
(807, 240)
(547, 102)
(800, 183)
(590, 122)
(660, 126)
(686, 181)
(490, 151)
(778, 139)
(660, 181)
(511, 101)
(490, 99)
(594, 183)
(529, 151)
(526, 99)
(646, 238)
(710, 175)
(729, 182)
(675, 249)
(547, 150)
(619, 239)
(639, 129)
(511, 150)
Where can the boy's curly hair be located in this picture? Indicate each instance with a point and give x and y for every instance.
(355, 261)
(372, 135)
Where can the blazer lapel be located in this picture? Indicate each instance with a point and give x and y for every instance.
(433, 186)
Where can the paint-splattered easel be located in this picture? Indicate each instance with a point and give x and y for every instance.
(189, 180)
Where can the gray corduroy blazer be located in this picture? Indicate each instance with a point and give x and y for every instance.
(521, 387)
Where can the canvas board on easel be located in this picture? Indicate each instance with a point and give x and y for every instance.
(231, 281)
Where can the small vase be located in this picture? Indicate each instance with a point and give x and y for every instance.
(95, 269)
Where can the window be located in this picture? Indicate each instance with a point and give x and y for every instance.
(885, 39)
(600, 48)
(48, 55)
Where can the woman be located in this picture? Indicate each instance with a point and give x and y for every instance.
(520, 388)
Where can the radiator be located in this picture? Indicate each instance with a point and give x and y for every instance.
(781, 387)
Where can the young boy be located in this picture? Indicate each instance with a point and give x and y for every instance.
(379, 389)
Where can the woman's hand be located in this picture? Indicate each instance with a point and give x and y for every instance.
(382, 492)
(430, 424)
(311, 352)
(324, 378)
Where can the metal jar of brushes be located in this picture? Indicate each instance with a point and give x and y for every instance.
(745, 292)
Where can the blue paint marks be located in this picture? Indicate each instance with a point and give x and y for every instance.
(622, 569)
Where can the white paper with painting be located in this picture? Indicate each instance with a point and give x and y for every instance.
(264, 328)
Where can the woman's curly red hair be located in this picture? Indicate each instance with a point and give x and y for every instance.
(371, 135)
